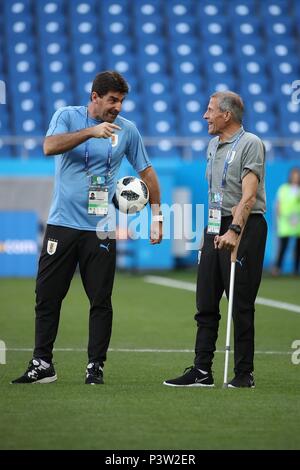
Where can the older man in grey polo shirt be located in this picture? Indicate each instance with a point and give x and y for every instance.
(235, 174)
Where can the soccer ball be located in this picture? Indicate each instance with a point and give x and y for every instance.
(131, 195)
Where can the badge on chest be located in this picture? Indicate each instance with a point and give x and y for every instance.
(98, 196)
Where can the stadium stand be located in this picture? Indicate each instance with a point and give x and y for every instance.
(174, 54)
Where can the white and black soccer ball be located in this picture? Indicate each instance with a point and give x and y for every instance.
(131, 195)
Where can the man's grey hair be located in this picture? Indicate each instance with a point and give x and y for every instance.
(232, 102)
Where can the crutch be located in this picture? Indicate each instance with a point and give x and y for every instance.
(230, 305)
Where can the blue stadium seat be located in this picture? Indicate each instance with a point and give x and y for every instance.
(283, 88)
(240, 10)
(160, 106)
(82, 10)
(52, 102)
(173, 54)
(186, 67)
(4, 123)
(182, 27)
(248, 51)
(293, 150)
(152, 68)
(15, 11)
(193, 126)
(117, 27)
(153, 87)
(273, 10)
(32, 147)
(122, 65)
(113, 9)
(259, 106)
(161, 125)
(23, 86)
(19, 29)
(215, 51)
(283, 26)
(191, 106)
(254, 85)
(214, 29)
(84, 29)
(219, 67)
(221, 83)
(290, 127)
(210, 10)
(54, 69)
(189, 87)
(146, 9)
(17, 48)
(249, 27)
(119, 48)
(252, 68)
(28, 125)
(53, 28)
(288, 109)
(179, 9)
(49, 8)
(264, 127)
(283, 68)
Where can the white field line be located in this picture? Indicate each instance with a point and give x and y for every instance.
(128, 350)
(167, 282)
(162, 281)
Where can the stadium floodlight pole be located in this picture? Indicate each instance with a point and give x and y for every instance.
(230, 307)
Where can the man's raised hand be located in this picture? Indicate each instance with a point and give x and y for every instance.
(104, 130)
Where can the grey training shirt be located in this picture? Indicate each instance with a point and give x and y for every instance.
(249, 156)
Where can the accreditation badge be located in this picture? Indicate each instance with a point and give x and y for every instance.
(98, 196)
(214, 213)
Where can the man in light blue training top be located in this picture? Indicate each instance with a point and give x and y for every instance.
(89, 143)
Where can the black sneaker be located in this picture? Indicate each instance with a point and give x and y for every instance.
(94, 374)
(37, 373)
(192, 377)
(242, 380)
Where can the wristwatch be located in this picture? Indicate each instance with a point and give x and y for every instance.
(158, 218)
(235, 228)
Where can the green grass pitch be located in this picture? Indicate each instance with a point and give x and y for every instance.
(133, 410)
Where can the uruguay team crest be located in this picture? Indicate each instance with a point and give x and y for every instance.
(114, 140)
(51, 246)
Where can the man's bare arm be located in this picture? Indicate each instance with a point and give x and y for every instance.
(149, 177)
(249, 191)
(61, 143)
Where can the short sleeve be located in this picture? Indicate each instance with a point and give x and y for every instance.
(209, 155)
(136, 153)
(253, 158)
(59, 123)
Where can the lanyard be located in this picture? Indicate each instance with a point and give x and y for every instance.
(227, 160)
(87, 155)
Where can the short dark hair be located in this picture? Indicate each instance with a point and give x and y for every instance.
(232, 102)
(108, 81)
